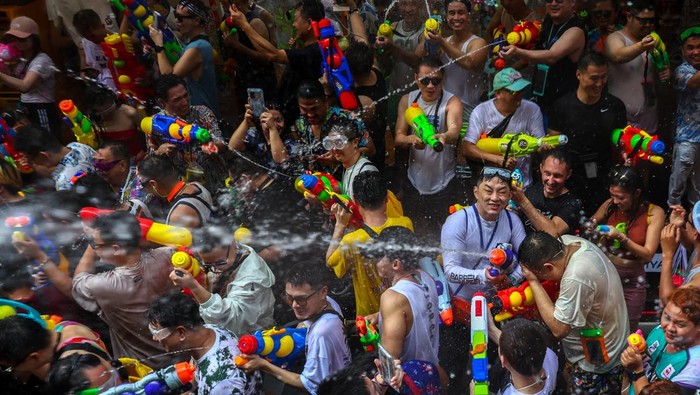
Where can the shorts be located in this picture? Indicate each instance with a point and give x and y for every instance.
(583, 382)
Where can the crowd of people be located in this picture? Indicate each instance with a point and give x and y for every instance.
(167, 234)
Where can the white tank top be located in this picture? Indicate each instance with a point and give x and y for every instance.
(430, 171)
(466, 84)
(423, 339)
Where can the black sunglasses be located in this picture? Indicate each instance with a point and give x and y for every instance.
(645, 21)
(180, 17)
(427, 80)
(557, 1)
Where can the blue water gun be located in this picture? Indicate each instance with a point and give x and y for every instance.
(434, 269)
(501, 258)
(279, 346)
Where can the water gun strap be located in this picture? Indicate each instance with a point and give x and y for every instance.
(636, 148)
(505, 156)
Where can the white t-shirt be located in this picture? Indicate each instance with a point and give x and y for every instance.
(96, 59)
(63, 10)
(590, 296)
(326, 351)
(526, 119)
(43, 91)
(550, 366)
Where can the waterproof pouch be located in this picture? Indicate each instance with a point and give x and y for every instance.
(593, 345)
(649, 94)
(540, 80)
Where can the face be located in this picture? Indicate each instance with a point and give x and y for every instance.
(457, 16)
(593, 80)
(101, 377)
(277, 118)
(93, 34)
(300, 24)
(169, 338)
(430, 82)
(641, 23)
(560, 9)
(508, 98)
(306, 301)
(554, 176)
(106, 252)
(603, 14)
(186, 22)
(346, 152)
(41, 164)
(22, 44)
(409, 10)
(492, 195)
(220, 258)
(691, 51)
(678, 328)
(112, 170)
(622, 198)
(384, 267)
(313, 110)
(178, 102)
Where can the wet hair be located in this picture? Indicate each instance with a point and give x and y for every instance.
(119, 228)
(558, 154)
(311, 9)
(21, 336)
(210, 237)
(350, 380)
(523, 345)
(32, 139)
(86, 19)
(67, 376)
(157, 167)
(118, 149)
(468, 4)
(432, 62)
(165, 83)
(304, 273)
(344, 126)
(631, 182)
(96, 191)
(395, 242)
(688, 300)
(661, 387)
(538, 248)
(370, 190)
(311, 89)
(14, 274)
(591, 58)
(98, 96)
(360, 58)
(174, 310)
(637, 6)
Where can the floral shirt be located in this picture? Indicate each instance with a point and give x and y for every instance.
(688, 113)
(78, 159)
(217, 374)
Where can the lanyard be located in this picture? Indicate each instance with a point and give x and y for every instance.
(481, 235)
(549, 43)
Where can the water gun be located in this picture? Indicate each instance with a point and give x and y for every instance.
(279, 346)
(369, 336)
(659, 55)
(499, 37)
(516, 179)
(434, 269)
(78, 123)
(183, 261)
(7, 148)
(479, 342)
(517, 145)
(173, 379)
(432, 25)
(416, 118)
(126, 68)
(175, 130)
(9, 308)
(456, 207)
(24, 225)
(227, 26)
(141, 18)
(327, 190)
(525, 34)
(51, 320)
(637, 341)
(8, 53)
(335, 65)
(639, 144)
(155, 232)
(520, 301)
(621, 227)
(501, 258)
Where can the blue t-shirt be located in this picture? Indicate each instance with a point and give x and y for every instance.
(688, 112)
(203, 91)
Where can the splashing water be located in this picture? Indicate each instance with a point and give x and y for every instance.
(427, 7)
(388, 9)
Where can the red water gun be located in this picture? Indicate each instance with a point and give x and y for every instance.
(525, 34)
(520, 301)
(639, 144)
(125, 66)
(327, 190)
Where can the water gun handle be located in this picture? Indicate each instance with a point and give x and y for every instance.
(369, 337)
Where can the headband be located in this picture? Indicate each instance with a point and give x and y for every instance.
(690, 32)
(193, 9)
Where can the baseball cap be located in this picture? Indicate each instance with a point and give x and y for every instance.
(23, 27)
(510, 79)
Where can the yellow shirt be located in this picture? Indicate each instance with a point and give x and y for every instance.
(365, 280)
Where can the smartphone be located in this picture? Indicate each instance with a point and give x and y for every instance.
(387, 363)
(256, 99)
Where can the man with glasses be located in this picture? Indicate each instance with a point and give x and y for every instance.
(509, 113)
(467, 238)
(122, 296)
(196, 65)
(632, 74)
(175, 323)
(326, 347)
(241, 298)
(589, 316)
(111, 161)
(431, 186)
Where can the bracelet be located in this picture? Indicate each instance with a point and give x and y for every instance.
(158, 49)
(45, 261)
(354, 10)
(624, 241)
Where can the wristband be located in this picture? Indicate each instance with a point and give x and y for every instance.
(636, 376)
(354, 10)
(624, 241)
(158, 49)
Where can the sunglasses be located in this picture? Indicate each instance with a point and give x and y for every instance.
(427, 80)
(336, 141)
(602, 14)
(490, 172)
(103, 167)
(180, 17)
(556, 1)
(300, 300)
(645, 21)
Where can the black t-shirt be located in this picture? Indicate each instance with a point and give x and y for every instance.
(252, 73)
(377, 125)
(304, 64)
(567, 207)
(561, 76)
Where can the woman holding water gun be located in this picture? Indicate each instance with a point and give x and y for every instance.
(33, 76)
(115, 121)
(631, 227)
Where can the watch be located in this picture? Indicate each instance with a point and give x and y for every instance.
(637, 375)
(158, 49)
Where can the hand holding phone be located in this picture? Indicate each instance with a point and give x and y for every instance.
(387, 362)
(256, 99)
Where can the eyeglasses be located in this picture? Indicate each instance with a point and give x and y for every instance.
(556, 1)
(300, 300)
(489, 172)
(95, 246)
(602, 14)
(180, 17)
(335, 141)
(427, 80)
(220, 262)
(645, 21)
(160, 334)
(103, 167)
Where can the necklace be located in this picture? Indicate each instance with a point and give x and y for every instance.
(539, 380)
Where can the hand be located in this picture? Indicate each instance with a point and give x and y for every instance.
(384, 43)
(28, 247)
(183, 279)
(166, 149)
(665, 74)
(496, 281)
(237, 17)
(511, 163)
(327, 88)
(156, 36)
(613, 233)
(396, 381)
(544, 148)
(518, 195)
(677, 216)
(631, 360)
(435, 38)
(249, 116)
(254, 363)
(648, 43)
(267, 122)
(373, 318)
(416, 142)
(342, 216)
(529, 275)
(509, 52)
(231, 39)
(670, 238)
